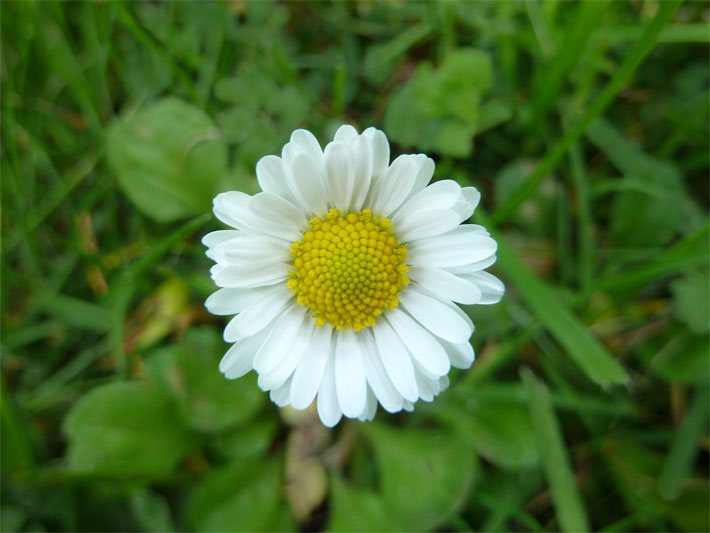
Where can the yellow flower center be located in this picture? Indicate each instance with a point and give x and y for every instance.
(348, 269)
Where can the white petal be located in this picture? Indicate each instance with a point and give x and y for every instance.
(370, 407)
(470, 197)
(446, 285)
(427, 387)
(388, 193)
(231, 301)
(239, 358)
(282, 336)
(427, 224)
(377, 377)
(396, 360)
(284, 370)
(346, 134)
(259, 313)
(340, 175)
(459, 246)
(234, 276)
(424, 348)
(443, 383)
(408, 406)
(216, 237)
(492, 289)
(233, 208)
(440, 195)
(380, 149)
(469, 268)
(435, 316)
(281, 395)
(424, 174)
(270, 175)
(252, 251)
(362, 157)
(277, 210)
(350, 382)
(461, 355)
(309, 373)
(307, 142)
(328, 407)
(305, 180)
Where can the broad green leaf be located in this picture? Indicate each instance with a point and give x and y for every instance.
(500, 429)
(169, 159)
(424, 475)
(690, 296)
(151, 511)
(355, 509)
(125, 429)
(556, 463)
(249, 441)
(580, 345)
(684, 358)
(206, 399)
(650, 211)
(244, 496)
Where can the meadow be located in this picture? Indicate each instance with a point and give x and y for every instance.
(584, 125)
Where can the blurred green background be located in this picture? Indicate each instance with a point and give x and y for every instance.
(584, 125)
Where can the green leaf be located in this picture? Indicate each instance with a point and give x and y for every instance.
(580, 345)
(424, 477)
(151, 511)
(499, 430)
(125, 429)
(690, 296)
(168, 158)
(568, 504)
(684, 358)
(206, 399)
(355, 508)
(244, 496)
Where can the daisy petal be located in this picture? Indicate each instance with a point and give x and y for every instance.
(440, 195)
(276, 377)
(350, 382)
(304, 179)
(240, 357)
(274, 208)
(231, 301)
(281, 337)
(345, 134)
(396, 361)
(446, 285)
(251, 251)
(436, 316)
(281, 395)
(380, 149)
(340, 174)
(425, 349)
(370, 407)
(328, 407)
(427, 224)
(492, 289)
(392, 189)
(362, 155)
(217, 237)
(307, 142)
(234, 276)
(270, 175)
(309, 372)
(459, 246)
(378, 379)
(461, 355)
(259, 314)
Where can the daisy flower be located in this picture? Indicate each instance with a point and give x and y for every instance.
(343, 275)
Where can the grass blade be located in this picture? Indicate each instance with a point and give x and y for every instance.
(679, 463)
(568, 503)
(580, 345)
(618, 82)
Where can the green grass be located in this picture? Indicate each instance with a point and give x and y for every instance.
(583, 124)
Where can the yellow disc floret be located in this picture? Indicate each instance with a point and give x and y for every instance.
(348, 269)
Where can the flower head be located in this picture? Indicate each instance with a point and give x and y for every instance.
(343, 275)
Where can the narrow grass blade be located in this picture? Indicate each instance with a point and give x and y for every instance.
(556, 464)
(580, 345)
(679, 463)
(623, 75)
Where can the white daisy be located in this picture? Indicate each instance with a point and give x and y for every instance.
(342, 274)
